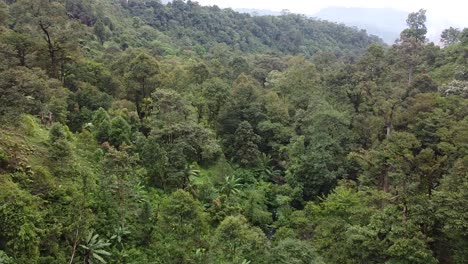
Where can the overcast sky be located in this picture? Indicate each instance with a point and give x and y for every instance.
(454, 11)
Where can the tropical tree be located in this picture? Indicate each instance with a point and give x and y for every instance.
(100, 31)
(231, 185)
(141, 74)
(245, 148)
(416, 26)
(23, 90)
(48, 21)
(120, 131)
(450, 36)
(235, 241)
(94, 249)
(182, 226)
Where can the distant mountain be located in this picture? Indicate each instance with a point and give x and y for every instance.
(190, 24)
(386, 23)
(383, 22)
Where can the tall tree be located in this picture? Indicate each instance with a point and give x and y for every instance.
(411, 42)
(183, 227)
(416, 26)
(100, 31)
(245, 148)
(120, 131)
(154, 159)
(141, 73)
(18, 46)
(235, 241)
(48, 21)
(317, 156)
(450, 36)
(23, 90)
(216, 93)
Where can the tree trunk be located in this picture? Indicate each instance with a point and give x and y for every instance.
(385, 182)
(429, 185)
(22, 57)
(404, 214)
(388, 128)
(88, 257)
(410, 76)
(138, 106)
(51, 50)
(75, 244)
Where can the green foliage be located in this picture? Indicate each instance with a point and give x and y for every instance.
(192, 134)
(4, 259)
(244, 105)
(100, 31)
(355, 230)
(254, 204)
(4, 160)
(416, 26)
(450, 197)
(154, 159)
(60, 149)
(294, 251)
(101, 123)
(231, 185)
(317, 159)
(120, 131)
(456, 87)
(174, 126)
(450, 36)
(245, 146)
(94, 249)
(18, 48)
(235, 241)
(141, 73)
(207, 26)
(48, 23)
(216, 91)
(3, 13)
(182, 227)
(23, 90)
(20, 222)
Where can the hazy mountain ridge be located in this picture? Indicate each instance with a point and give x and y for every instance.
(386, 23)
(382, 22)
(190, 24)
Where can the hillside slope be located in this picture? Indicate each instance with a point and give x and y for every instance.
(190, 24)
(132, 132)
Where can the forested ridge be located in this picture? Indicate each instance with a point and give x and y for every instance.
(138, 132)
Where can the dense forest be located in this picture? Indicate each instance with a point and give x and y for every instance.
(141, 132)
